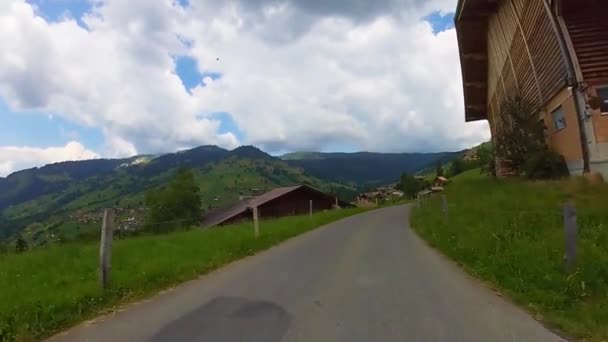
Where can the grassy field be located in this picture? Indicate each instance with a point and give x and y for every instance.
(510, 234)
(49, 289)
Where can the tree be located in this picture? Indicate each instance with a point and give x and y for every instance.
(176, 205)
(521, 132)
(21, 245)
(409, 185)
(439, 169)
(521, 141)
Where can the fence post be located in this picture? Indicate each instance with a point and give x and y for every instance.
(419, 201)
(570, 234)
(310, 209)
(444, 206)
(256, 222)
(105, 248)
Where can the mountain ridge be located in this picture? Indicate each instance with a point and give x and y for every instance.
(54, 200)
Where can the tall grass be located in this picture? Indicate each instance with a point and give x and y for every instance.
(510, 233)
(49, 289)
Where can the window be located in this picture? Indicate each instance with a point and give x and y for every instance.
(602, 93)
(559, 118)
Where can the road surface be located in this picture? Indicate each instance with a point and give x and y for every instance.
(365, 278)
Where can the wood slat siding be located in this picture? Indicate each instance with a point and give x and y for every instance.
(587, 23)
(523, 56)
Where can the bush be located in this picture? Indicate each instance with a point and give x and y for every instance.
(21, 245)
(545, 165)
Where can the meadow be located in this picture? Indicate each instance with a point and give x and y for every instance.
(510, 234)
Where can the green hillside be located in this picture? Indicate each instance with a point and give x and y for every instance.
(74, 211)
(365, 168)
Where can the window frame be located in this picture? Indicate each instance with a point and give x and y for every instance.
(597, 92)
(559, 108)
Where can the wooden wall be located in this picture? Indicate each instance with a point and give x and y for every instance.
(523, 57)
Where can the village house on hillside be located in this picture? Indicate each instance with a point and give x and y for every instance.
(286, 201)
(553, 53)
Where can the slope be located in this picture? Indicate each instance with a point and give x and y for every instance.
(365, 168)
(74, 211)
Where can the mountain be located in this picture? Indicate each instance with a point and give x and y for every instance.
(365, 168)
(63, 201)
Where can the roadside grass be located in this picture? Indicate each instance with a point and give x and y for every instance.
(510, 234)
(45, 290)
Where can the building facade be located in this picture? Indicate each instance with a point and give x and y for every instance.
(552, 53)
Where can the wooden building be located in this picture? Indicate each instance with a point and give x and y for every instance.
(286, 201)
(553, 53)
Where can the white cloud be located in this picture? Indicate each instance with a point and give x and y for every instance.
(14, 158)
(295, 75)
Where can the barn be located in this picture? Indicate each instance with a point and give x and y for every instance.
(285, 201)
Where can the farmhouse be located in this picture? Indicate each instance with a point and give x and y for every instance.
(552, 53)
(291, 200)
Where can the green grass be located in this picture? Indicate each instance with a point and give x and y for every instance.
(49, 289)
(510, 234)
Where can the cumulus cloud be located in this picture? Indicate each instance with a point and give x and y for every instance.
(13, 158)
(295, 74)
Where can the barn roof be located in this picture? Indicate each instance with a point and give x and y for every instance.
(272, 194)
(218, 216)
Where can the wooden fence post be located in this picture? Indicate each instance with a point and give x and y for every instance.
(310, 209)
(444, 206)
(256, 222)
(105, 248)
(570, 234)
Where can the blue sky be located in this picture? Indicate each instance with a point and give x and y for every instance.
(440, 22)
(39, 129)
(54, 10)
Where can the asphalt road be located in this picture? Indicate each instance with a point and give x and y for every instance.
(365, 278)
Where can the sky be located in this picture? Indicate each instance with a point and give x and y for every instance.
(88, 79)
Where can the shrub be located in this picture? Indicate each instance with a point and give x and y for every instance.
(21, 245)
(545, 164)
(521, 141)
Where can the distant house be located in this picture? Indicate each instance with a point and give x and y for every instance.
(397, 193)
(440, 181)
(286, 201)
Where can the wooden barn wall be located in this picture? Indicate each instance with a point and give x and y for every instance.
(296, 203)
(523, 57)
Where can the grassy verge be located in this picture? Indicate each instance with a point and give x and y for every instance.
(510, 234)
(48, 289)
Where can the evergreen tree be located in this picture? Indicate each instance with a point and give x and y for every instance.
(21, 245)
(176, 205)
(409, 185)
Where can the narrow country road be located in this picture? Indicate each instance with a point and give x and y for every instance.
(365, 278)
